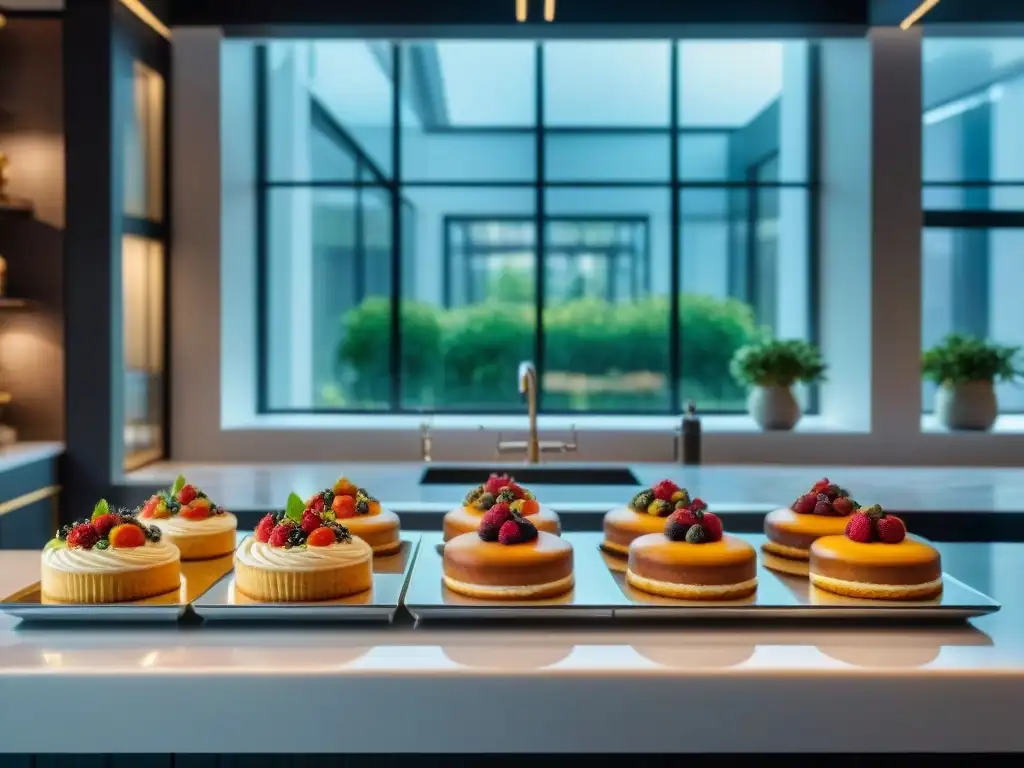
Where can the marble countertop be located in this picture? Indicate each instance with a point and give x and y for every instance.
(759, 488)
(20, 454)
(609, 688)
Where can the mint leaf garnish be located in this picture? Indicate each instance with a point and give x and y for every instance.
(295, 507)
(101, 508)
(179, 483)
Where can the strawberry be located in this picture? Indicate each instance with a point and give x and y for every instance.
(317, 503)
(279, 536)
(104, 523)
(844, 505)
(821, 486)
(187, 493)
(84, 536)
(495, 483)
(493, 520)
(517, 531)
(891, 530)
(712, 525)
(823, 506)
(860, 528)
(698, 505)
(126, 536)
(266, 525)
(311, 521)
(804, 505)
(321, 537)
(517, 490)
(343, 507)
(665, 489)
(195, 511)
(677, 524)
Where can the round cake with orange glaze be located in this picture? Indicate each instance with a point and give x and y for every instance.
(190, 520)
(875, 559)
(692, 559)
(507, 558)
(361, 514)
(823, 511)
(645, 514)
(498, 489)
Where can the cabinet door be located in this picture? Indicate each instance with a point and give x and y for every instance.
(29, 527)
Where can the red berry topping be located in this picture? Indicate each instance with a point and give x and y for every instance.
(805, 504)
(678, 523)
(698, 505)
(311, 521)
(516, 531)
(493, 520)
(821, 486)
(104, 523)
(860, 528)
(664, 490)
(844, 505)
(891, 530)
(317, 504)
(126, 536)
(495, 483)
(516, 489)
(266, 525)
(823, 506)
(321, 537)
(187, 493)
(84, 536)
(712, 527)
(279, 536)
(194, 511)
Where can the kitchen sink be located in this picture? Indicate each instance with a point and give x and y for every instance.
(531, 475)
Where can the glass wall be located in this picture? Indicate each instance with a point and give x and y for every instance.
(973, 194)
(626, 214)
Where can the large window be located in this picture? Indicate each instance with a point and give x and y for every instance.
(625, 214)
(973, 196)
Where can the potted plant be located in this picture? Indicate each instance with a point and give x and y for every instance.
(966, 369)
(770, 368)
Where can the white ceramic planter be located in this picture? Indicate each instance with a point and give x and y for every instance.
(773, 407)
(970, 406)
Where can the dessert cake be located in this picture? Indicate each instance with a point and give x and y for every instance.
(507, 558)
(823, 511)
(110, 558)
(498, 488)
(645, 514)
(302, 554)
(188, 519)
(875, 559)
(362, 515)
(692, 560)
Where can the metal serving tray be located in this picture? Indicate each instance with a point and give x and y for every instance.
(196, 578)
(780, 596)
(222, 602)
(595, 595)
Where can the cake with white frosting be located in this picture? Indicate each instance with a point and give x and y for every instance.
(302, 554)
(112, 557)
(191, 521)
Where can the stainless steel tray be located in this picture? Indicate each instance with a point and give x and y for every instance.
(595, 595)
(29, 605)
(380, 603)
(780, 596)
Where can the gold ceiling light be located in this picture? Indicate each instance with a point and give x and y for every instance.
(520, 10)
(917, 14)
(549, 10)
(3, 19)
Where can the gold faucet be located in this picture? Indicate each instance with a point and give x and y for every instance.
(533, 446)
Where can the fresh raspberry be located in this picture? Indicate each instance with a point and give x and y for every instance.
(187, 493)
(833, 492)
(823, 505)
(279, 536)
(860, 528)
(84, 536)
(712, 525)
(677, 524)
(266, 525)
(517, 531)
(844, 505)
(493, 520)
(821, 486)
(317, 503)
(697, 505)
(311, 521)
(104, 523)
(321, 537)
(495, 483)
(126, 536)
(665, 489)
(891, 530)
(804, 505)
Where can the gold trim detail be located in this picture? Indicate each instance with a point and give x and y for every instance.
(147, 17)
(28, 498)
(917, 14)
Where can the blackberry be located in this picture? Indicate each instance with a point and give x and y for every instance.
(695, 535)
(676, 530)
(297, 537)
(340, 532)
(63, 531)
(102, 544)
(362, 507)
(153, 533)
(81, 521)
(328, 497)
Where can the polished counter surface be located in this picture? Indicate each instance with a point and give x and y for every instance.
(604, 688)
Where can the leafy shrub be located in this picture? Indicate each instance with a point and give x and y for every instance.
(777, 363)
(959, 359)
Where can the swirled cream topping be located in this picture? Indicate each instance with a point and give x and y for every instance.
(78, 560)
(182, 526)
(259, 555)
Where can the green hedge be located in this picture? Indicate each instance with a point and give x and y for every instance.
(466, 357)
